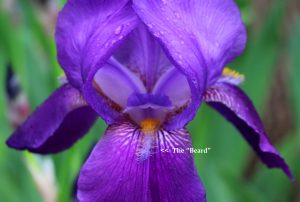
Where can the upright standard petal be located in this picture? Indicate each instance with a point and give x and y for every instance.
(88, 31)
(212, 29)
(116, 172)
(56, 124)
(200, 36)
(143, 54)
(235, 106)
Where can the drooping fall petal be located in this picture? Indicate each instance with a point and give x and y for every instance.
(235, 106)
(115, 172)
(56, 124)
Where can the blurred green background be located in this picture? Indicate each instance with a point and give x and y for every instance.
(230, 171)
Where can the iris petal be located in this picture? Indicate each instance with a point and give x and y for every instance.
(235, 106)
(88, 31)
(144, 55)
(173, 176)
(175, 85)
(108, 90)
(180, 50)
(200, 36)
(212, 29)
(117, 83)
(114, 171)
(148, 106)
(55, 125)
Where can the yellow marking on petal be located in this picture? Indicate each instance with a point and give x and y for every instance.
(227, 72)
(149, 126)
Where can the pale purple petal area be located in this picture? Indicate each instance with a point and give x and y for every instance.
(231, 80)
(117, 82)
(88, 31)
(138, 99)
(143, 54)
(108, 90)
(196, 29)
(148, 106)
(114, 171)
(236, 107)
(175, 85)
(56, 124)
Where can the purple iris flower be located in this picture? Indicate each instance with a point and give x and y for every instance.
(144, 67)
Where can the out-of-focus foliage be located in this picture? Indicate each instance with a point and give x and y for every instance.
(27, 43)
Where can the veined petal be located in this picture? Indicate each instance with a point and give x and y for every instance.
(112, 172)
(173, 176)
(235, 106)
(193, 29)
(88, 31)
(115, 171)
(56, 124)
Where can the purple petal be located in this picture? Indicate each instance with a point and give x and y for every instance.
(117, 82)
(138, 99)
(173, 176)
(148, 106)
(143, 54)
(56, 124)
(179, 50)
(176, 86)
(88, 31)
(199, 36)
(113, 171)
(235, 106)
(108, 90)
(195, 29)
